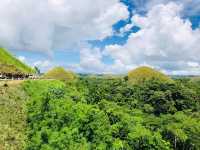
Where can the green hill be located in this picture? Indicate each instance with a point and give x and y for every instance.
(10, 64)
(141, 74)
(60, 74)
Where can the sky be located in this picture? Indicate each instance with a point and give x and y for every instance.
(104, 36)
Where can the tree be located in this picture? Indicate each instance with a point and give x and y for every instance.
(37, 70)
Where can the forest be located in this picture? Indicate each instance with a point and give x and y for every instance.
(99, 75)
(103, 113)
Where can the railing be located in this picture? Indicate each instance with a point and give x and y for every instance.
(17, 76)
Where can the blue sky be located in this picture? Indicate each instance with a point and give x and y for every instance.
(112, 37)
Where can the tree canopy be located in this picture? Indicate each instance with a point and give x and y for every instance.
(112, 114)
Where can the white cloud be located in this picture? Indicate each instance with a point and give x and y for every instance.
(57, 24)
(92, 62)
(22, 58)
(193, 64)
(165, 41)
(190, 7)
(42, 64)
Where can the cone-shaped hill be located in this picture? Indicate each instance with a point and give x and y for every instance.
(141, 74)
(60, 73)
(10, 64)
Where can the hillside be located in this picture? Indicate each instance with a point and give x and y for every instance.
(60, 73)
(10, 64)
(12, 116)
(99, 113)
(144, 73)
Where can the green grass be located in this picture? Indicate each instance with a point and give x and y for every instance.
(60, 73)
(141, 74)
(8, 63)
(12, 117)
(38, 87)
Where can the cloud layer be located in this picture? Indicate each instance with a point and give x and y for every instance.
(45, 25)
(191, 7)
(165, 41)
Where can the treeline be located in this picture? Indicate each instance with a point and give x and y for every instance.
(112, 114)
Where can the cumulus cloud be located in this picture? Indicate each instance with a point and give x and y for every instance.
(91, 61)
(190, 7)
(57, 24)
(165, 41)
(22, 58)
(42, 64)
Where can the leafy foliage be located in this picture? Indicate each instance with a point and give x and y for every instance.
(111, 114)
(144, 111)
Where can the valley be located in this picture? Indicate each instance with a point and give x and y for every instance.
(61, 110)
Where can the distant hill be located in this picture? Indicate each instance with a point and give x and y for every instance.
(10, 64)
(60, 73)
(195, 79)
(142, 74)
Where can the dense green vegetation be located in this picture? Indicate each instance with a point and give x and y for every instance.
(112, 114)
(100, 112)
(10, 64)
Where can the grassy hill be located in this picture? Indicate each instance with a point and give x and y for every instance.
(142, 74)
(60, 73)
(10, 64)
